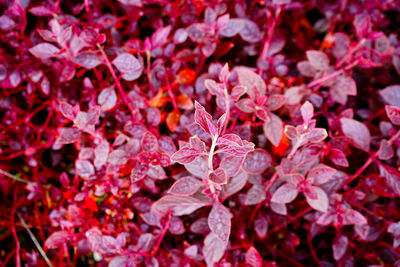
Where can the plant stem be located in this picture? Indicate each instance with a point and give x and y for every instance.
(332, 75)
(41, 251)
(350, 53)
(117, 82)
(9, 175)
(171, 95)
(210, 163)
(227, 110)
(164, 231)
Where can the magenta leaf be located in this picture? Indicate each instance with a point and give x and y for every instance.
(307, 112)
(44, 50)
(393, 114)
(179, 205)
(306, 69)
(88, 60)
(204, 119)
(255, 195)
(343, 87)
(101, 153)
(351, 216)
(321, 203)
(273, 129)
(219, 221)
(357, 132)
(391, 95)
(250, 32)
(246, 105)
(185, 155)
(213, 250)
(253, 258)
(107, 99)
(391, 179)
(339, 246)
(275, 102)
(218, 176)
(57, 239)
(285, 194)
(257, 161)
(338, 157)
(233, 27)
(185, 186)
(235, 184)
(318, 59)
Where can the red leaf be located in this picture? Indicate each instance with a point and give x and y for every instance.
(138, 172)
(273, 129)
(285, 194)
(357, 132)
(318, 59)
(351, 216)
(338, 157)
(204, 119)
(185, 186)
(253, 258)
(391, 177)
(219, 221)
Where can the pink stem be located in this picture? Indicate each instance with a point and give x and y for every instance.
(166, 226)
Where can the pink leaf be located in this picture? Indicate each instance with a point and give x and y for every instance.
(41, 11)
(126, 63)
(250, 32)
(68, 135)
(101, 153)
(339, 246)
(231, 165)
(351, 216)
(321, 203)
(273, 129)
(391, 95)
(118, 157)
(179, 205)
(285, 194)
(232, 28)
(160, 36)
(307, 112)
(246, 105)
(391, 179)
(107, 99)
(249, 79)
(357, 132)
(321, 175)
(185, 155)
(257, 161)
(204, 119)
(261, 226)
(213, 87)
(255, 195)
(393, 114)
(306, 69)
(57, 239)
(84, 168)
(338, 157)
(235, 184)
(224, 74)
(318, 59)
(385, 151)
(213, 250)
(343, 87)
(218, 176)
(44, 50)
(185, 186)
(149, 142)
(275, 102)
(138, 172)
(253, 258)
(88, 60)
(219, 221)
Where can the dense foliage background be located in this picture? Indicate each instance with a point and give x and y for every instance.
(199, 133)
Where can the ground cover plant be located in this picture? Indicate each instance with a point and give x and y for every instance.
(200, 133)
